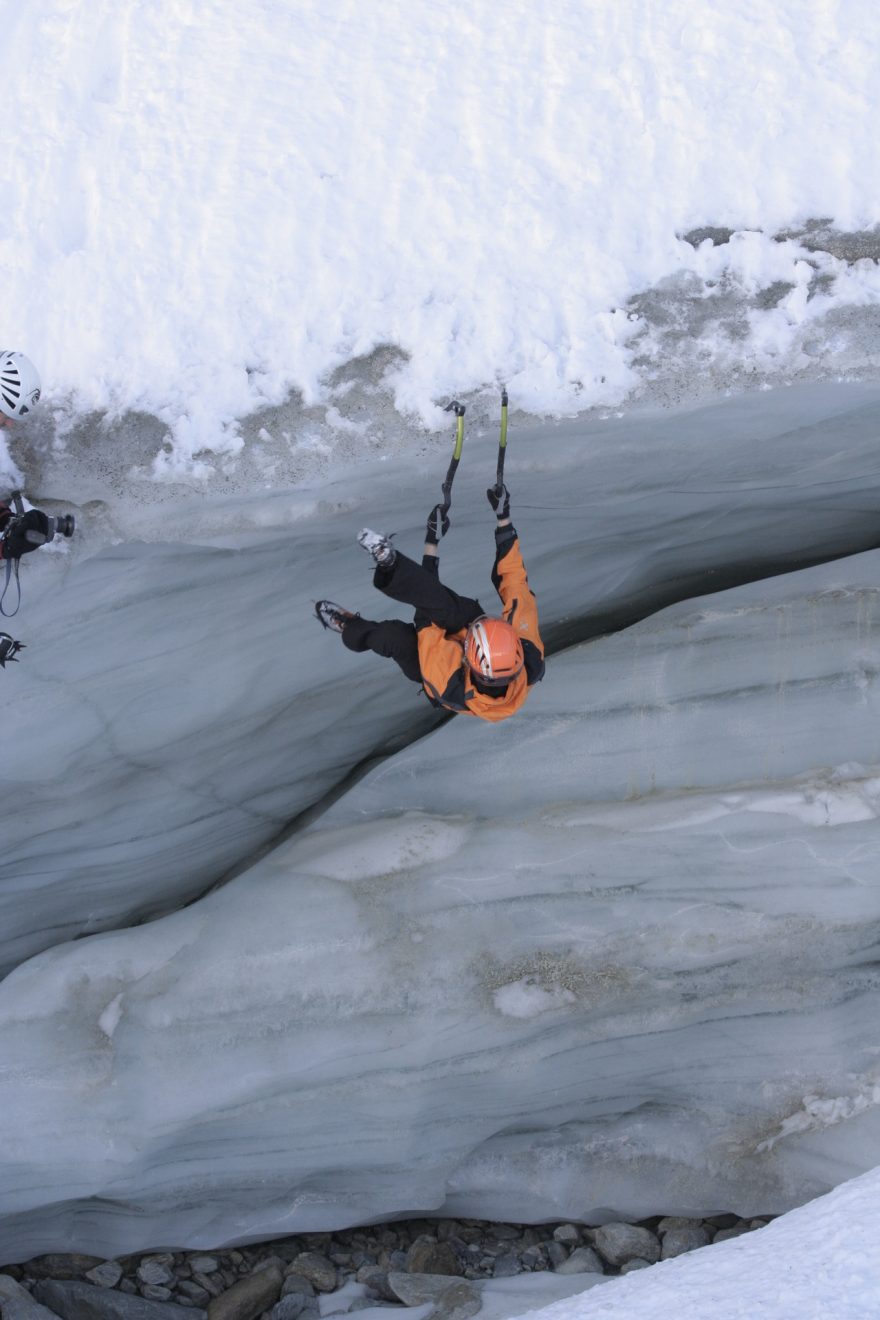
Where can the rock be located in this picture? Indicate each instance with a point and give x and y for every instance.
(454, 1299)
(428, 1256)
(297, 1283)
(677, 1221)
(532, 1258)
(568, 1234)
(203, 1264)
(676, 1241)
(504, 1232)
(247, 1298)
(290, 1307)
(84, 1301)
(583, 1260)
(557, 1254)
(506, 1266)
(105, 1275)
(154, 1273)
(724, 1234)
(212, 1286)
(396, 1260)
(156, 1292)
(319, 1271)
(288, 1249)
(194, 1292)
(274, 1262)
(54, 1266)
(618, 1243)
(16, 1302)
(446, 1229)
(376, 1280)
(317, 1241)
(722, 1221)
(634, 1265)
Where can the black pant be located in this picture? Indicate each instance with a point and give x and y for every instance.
(412, 584)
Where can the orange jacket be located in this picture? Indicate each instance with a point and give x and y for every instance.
(448, 680)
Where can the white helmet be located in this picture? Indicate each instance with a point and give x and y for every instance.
(19, 384)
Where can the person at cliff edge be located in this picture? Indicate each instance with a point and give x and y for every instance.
(21, 530)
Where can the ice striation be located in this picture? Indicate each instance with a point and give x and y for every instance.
(615, 957)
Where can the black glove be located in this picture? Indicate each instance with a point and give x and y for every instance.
(437, 525)
(499, 498)
(9, 649)
(26, 533)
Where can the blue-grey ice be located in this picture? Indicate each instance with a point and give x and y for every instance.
(614, 957)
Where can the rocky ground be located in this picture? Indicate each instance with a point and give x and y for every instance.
(314, 1275)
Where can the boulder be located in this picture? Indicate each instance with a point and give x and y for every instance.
(320, 1272)
(454, 1299)
(105, 1275)
(376, 1279)
(297, 1283)
(290, 1307)
(16, 1302)
(203, 1264)
(428, 1256)
(583, 1260)
(249, 1297)
(618, 1243)
(506, 1266)
(687, 1237)
(725, 1234)
(73, 1300)
(59, 1266)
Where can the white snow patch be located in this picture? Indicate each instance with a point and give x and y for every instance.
(527, 998)
(228, 222)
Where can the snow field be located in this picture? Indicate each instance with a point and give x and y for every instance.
(211, 205)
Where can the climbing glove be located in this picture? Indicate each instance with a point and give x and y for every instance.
(437, 525)
(499, 498)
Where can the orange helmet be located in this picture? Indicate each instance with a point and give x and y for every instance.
(493, 650)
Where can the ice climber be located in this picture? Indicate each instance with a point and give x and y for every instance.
(465, 660)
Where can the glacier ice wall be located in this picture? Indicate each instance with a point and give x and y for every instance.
(618, 956)
(177, 706)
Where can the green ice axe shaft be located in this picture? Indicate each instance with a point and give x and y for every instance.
(458, 409)
(502, 443)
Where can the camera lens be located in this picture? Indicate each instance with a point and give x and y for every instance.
(65, 525)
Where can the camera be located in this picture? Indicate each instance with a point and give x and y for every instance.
(63, 525)
(23, 531)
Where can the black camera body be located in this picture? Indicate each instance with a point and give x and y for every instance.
(28, 530)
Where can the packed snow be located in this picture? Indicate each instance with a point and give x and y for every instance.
(814, 1263)
(212, 208)
(252, 249)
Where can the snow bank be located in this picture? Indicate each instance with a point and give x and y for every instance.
(818, 1261)
(209, 206)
